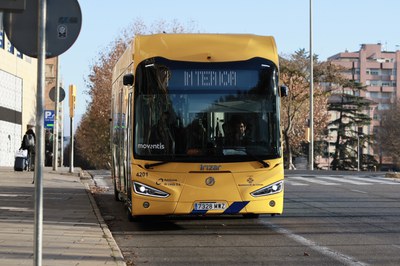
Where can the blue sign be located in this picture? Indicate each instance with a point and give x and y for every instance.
(10, 47)
(49, 118)
(1, 39)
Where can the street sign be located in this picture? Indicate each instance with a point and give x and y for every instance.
(48, 118)
(52, 94)
(63, 24)
(12, 5)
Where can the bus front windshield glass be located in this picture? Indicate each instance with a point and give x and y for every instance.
(216, 112)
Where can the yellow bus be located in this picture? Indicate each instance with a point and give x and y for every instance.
(195, 126)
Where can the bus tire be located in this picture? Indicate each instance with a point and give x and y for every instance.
(251, 216)
(116, 193)
(130, 217)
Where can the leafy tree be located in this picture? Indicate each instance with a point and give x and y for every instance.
(352, 116)
(388, 134)
(294, 73)
(93, 133)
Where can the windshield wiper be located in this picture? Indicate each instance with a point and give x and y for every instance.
(151, 165)
(264, 164)
(255, 157)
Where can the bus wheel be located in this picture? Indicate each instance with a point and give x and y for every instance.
(251, 216)
(116, 193)
(131, 218)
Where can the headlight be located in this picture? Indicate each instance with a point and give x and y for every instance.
(146, 190)
(268, 190)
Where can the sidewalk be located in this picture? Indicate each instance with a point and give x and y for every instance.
(74, 233)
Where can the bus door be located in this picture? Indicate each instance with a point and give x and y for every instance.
(127, 146)
(120, 132)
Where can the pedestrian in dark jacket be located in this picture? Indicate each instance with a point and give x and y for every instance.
(28, 143)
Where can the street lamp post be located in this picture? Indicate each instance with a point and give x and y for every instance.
(359, 147)
(358, 151)
(311, 146)
(39, 151)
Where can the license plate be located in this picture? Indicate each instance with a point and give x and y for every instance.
(206, 206)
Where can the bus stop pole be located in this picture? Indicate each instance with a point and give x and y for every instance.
(39, 150)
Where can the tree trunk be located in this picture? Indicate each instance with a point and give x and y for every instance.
(288, 153)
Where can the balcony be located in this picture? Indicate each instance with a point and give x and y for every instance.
(374, 88)
(388, 89)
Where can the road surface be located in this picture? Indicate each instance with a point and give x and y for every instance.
(329, 219)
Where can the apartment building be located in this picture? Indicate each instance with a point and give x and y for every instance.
(379, 70)
(18, 82)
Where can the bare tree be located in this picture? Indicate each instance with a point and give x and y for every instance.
(93, 133)
(295, 108)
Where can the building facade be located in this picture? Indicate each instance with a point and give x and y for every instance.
(52, 70)
(51, 73)
(18, 94)
(379, 70)
(18, 82)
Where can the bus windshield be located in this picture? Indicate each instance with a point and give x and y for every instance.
(216, 111)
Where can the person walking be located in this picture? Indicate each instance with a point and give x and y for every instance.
(28, 143)
(48, 141)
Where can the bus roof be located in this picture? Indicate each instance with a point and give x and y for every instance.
(204, 47)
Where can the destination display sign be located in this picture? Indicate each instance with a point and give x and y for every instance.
(213, 78)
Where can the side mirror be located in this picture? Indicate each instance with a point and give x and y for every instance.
(128, 79)
(284, 91)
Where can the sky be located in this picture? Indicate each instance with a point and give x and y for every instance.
(338, 25)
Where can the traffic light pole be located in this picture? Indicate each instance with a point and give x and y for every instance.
(71, 134)
(72, 98)
(55, 131)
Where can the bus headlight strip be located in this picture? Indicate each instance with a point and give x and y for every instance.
(268, 190)
(146, 190)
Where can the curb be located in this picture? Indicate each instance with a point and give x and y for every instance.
(392, 175)
(116, 252)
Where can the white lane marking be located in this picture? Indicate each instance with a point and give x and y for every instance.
(359, 191)
(8, 195)
(323, 180)
(312, 180)
(373, 180)
(343, 180)
(340, 257)
(385, 180)
(294, 183)
(16, 209)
